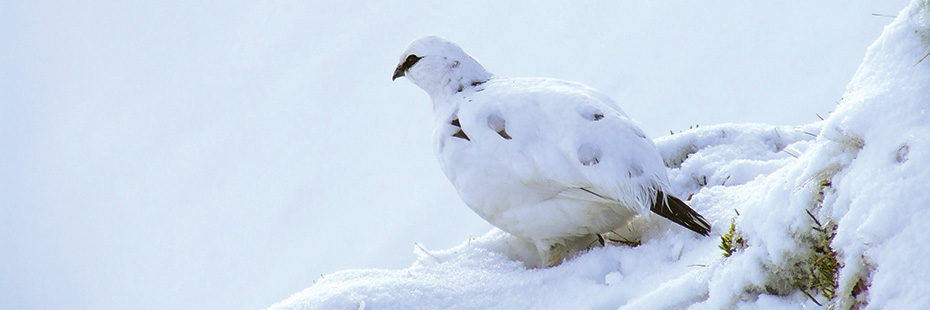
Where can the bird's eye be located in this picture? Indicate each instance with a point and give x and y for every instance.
(411, 60)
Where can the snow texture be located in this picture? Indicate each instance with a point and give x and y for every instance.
(863, 168)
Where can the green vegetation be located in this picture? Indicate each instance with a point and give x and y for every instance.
(817, 273)
(731, 241)
(819, 270)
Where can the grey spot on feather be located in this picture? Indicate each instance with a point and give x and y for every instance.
(901, 155)
(498, 124)
(459, 133)
(503, 134)
(591, 113)
(635, 170)
(589, 154)
(460, 88)
(455, 64)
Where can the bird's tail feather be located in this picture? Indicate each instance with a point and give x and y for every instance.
(677, 211)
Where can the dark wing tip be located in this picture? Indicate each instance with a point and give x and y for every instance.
(677, 211)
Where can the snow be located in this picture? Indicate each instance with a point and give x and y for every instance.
(863, 168)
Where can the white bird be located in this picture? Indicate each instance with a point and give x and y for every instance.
(549, 161)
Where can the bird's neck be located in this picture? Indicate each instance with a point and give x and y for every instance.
(452, 83)
(447, 99)
(445, 109)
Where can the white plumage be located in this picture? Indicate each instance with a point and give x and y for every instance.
(549, 161)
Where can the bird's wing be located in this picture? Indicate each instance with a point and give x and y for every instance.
(586, 195)
(566, 135)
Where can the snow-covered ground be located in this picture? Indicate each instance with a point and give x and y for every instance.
(851, 189)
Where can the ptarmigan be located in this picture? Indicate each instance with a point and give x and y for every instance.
(553, 162)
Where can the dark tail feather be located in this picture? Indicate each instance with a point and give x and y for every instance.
(677, 211)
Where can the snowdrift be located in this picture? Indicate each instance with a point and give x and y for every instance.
(834, 213)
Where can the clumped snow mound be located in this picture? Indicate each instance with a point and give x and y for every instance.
(852, 189)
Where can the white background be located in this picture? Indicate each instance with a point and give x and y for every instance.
(225, 155)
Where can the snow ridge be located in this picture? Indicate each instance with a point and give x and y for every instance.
(863, 169)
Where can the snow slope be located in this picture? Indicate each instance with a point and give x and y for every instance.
(862, 170)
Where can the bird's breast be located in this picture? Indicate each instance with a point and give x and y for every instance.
(487, 173)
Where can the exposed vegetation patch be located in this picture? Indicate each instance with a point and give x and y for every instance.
(676, 160)
(813, 270)
(860, 290)
(689, 128)
(817, 272)
(821, 191)
(820, 269)
(731, 241)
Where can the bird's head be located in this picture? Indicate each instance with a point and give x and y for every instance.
(439, 67)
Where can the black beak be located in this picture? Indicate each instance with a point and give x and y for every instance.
(404, 66)
(399, 72)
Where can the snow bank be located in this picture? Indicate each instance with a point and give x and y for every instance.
(855, 184)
